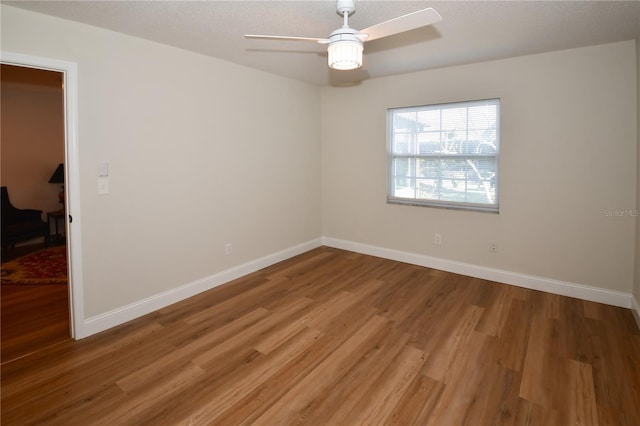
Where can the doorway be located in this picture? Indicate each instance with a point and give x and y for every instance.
(67, 213)
(35, 297)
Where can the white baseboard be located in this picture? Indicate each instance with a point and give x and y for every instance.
(635, 308)
(579, 291)
(142, 307)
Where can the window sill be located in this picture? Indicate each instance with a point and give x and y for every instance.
(446, 206)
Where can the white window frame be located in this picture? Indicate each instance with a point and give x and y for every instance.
(488, 184)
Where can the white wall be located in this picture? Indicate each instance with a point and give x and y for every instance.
(202, 152)
(32, 144)
(568, 154)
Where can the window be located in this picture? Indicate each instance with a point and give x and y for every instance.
(445, 155)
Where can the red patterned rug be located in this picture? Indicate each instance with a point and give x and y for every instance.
(46, 266)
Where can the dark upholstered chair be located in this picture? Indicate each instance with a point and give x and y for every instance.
(21, 224)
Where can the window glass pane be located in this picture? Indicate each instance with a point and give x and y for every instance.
(450, 154)
(428, 168)
(429, 120)
(454, 119)
(400, 144)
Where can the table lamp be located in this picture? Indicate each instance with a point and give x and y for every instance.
(58, 177)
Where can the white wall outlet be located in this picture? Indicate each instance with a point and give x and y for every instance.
(493, 247)
(228, 249)
(437, 239)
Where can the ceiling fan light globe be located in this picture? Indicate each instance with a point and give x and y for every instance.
(345, 55)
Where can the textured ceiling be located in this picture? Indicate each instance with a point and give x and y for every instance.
(471, 31)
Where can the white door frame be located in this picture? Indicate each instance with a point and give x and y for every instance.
(72, 177)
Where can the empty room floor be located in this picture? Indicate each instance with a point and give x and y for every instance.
(332, 337)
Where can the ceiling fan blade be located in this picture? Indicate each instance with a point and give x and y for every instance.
(289, 38)
(420, 18)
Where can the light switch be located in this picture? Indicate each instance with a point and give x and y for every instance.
(103, 169)
(103, 186)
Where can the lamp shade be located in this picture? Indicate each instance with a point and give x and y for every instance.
(58, 175)
(345, 55)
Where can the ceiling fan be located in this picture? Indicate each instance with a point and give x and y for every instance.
(345, 45)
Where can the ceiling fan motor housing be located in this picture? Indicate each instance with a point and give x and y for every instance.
(345, 34)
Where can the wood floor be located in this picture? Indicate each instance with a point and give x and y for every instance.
(337, 338)
(32, 317)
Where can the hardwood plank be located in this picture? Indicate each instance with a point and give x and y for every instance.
(246, 301)
(377, 405)
(511, 345)
(418, 402)
(256, 374)
(293, 404)
(32, 317)
(530, 414)
(250, 335)
(264, 396)
(333, 406)
(583, 395)
(478, 391)
(317, 317)
(444, 359)
(47, 365)
(542, 356)
(143, 398)
(495, 314)
(187, 353)
(76, 386)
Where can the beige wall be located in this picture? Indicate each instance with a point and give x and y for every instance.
(32, 135)
(568, 154)
(202, 153)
